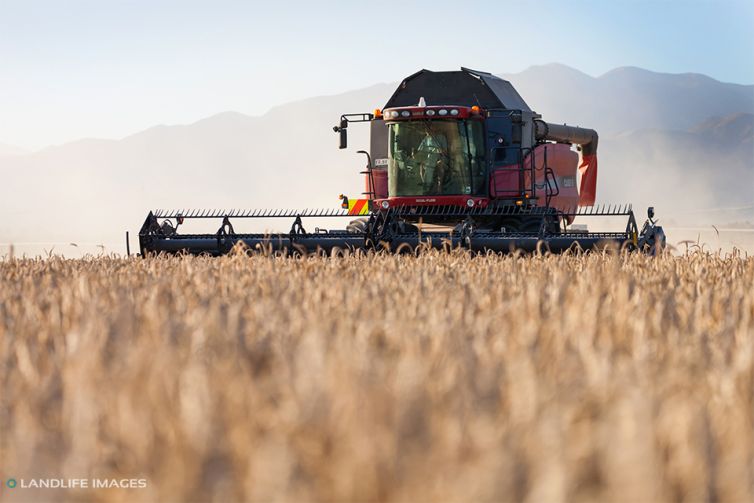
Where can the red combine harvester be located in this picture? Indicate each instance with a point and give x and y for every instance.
(456, 159)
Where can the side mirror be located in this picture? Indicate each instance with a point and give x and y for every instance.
(342, 131)
(651, 212)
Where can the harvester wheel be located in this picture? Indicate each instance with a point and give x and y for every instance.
(534, 224)
(407, 228)
(358, 226)
(509, 224)
(531, 224)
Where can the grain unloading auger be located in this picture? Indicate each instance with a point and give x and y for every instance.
(457, 159)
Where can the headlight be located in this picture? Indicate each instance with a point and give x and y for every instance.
(394, 114)
(454, 112)
(405, 113)
(385, 205)
(443, 112)
(430, 112)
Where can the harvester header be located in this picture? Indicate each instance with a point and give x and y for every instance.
(454, 158)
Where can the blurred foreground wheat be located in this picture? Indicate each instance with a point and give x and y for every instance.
(438, 378)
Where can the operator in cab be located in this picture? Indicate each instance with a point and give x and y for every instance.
(432, 155)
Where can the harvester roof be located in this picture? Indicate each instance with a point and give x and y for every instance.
(465, 87)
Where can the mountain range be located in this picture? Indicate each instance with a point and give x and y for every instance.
(9, 150)
(680, 142)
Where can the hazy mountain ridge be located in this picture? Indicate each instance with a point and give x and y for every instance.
(93, 190)
(629, 98)
(735, 129)
(11, 150)
(708, 165)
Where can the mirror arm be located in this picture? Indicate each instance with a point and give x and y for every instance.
(342, 129)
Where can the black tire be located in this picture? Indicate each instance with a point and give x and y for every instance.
(407, 228)
(358, 226)
(509, 224)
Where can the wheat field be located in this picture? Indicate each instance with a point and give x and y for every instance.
(442, 377)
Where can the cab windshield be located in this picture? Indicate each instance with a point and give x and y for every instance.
(439, 157)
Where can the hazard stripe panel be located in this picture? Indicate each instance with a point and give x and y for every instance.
(358, 207)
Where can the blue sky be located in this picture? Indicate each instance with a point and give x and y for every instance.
(72, 69)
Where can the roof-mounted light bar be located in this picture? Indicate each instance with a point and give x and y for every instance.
(433, 112)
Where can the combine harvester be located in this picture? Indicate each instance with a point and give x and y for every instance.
(456, 159)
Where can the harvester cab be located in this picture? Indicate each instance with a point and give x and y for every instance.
(460, 151)
(467, 138)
